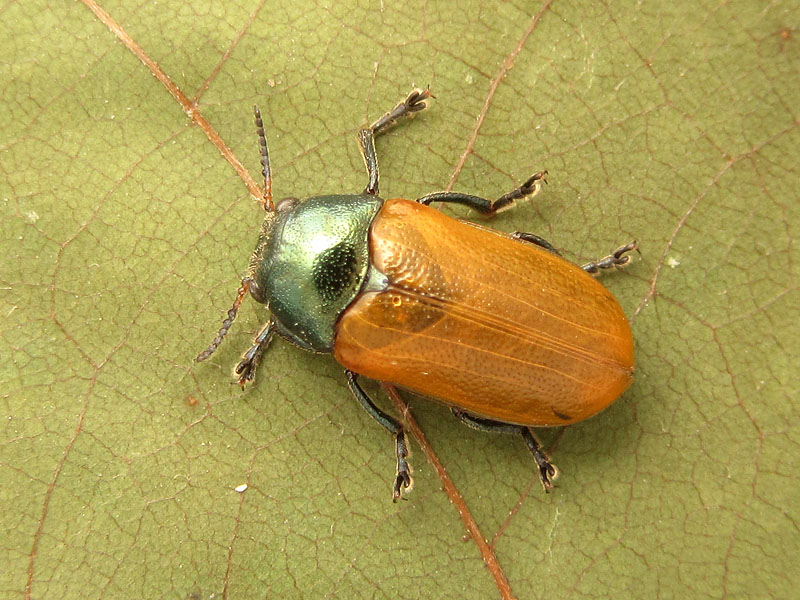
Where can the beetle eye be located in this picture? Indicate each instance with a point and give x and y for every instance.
(286, 204)
(256, 292)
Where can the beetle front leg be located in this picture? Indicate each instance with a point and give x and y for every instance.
(548, 472)
(486, 207)
(617, 258)
(413, 103)
(246, 369)
(403, 480)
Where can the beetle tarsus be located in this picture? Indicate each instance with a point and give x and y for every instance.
(403, 481)
(246, 369)
(548, 472)
(619, 258)
(528, 189)
(414, 103)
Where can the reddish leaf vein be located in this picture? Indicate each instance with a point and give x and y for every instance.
(452, 492)
(507, 64)
(189, 107)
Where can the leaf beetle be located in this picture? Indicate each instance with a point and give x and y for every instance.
(499, 327)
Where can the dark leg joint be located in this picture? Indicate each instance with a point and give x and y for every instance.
(618, 258)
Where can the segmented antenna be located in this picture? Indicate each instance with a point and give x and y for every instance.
(226, 324)
(269, 206)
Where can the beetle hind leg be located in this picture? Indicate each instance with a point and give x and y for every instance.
(548, 472)
(414, 102)
(403, 481)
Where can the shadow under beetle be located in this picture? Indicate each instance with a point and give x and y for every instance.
(497, 326)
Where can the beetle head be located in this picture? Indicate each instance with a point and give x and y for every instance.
(249, 284)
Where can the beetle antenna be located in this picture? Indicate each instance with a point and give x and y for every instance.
(226, 324)
(269, 206)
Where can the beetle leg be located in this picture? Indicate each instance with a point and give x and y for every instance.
(532, 238)
(486, 207)
(528, 189)
(414, 102)
(482, 205)
(246, 369)
(547, 471)
(618, 258)
(403, 479)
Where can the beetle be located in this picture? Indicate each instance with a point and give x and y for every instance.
(500, 327)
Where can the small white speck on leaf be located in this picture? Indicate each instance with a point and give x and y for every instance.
(31, 216)
(240, 488)
(673, 262)
(469, 79)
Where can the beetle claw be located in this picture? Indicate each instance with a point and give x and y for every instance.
(402, 482)
(246, 370)
(548, 473)
(415, 101)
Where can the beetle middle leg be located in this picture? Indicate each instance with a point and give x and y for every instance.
(414, 102)
(486, 207)
(618, 258)
(403, 479)
(547, 471)
(532, 238)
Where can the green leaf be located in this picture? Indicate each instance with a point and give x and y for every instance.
(125, 232)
